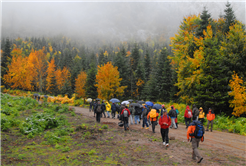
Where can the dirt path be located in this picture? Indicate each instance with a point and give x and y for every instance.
(227, 143)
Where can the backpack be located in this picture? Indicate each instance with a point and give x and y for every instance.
(152, 114)
(138, 111)
(99, 109)
(177, 111)
(125, 113)
(199, 131)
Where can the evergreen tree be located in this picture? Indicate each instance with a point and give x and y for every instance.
(203, 23)
(91, 90)
(164, 76)
(147, 64)
(140, 80)
(75, 70)
(135, 56)
(67, 89)
(229, 17)
(6, 57)
(100, 58)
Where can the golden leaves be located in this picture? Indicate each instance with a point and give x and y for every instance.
(80, 82)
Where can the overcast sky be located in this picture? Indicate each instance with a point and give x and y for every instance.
(120, 20)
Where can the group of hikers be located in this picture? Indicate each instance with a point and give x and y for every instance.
(166, 120)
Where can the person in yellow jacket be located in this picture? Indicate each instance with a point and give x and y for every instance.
(210, 118)
(201, 115)
(108, 108)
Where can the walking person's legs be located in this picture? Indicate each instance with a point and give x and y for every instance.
(163, 136)
(195, 145)
(208, 125)
(186, 120)
(131, 120)
(173, 123)
(153, 126)
(104, 114)
(211, 125)
(166, 136)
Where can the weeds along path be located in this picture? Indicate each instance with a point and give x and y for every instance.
(227, 143)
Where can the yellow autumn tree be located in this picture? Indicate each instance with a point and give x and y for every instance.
(108, 81)
(80, 84)
(239, 95)
(50, 79)
(61, 77)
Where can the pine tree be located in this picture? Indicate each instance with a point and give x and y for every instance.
(140, 80)
(135, 56)
(75, 70)
(6, 57)
(147, 65)
(229, 17)
(203, 23)
(91, 90)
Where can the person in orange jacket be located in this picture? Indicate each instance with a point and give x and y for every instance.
(195, 141)
(152, 115)
(210, 118)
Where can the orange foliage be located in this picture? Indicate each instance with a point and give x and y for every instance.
(51, 75)
(108, 81)
(239, 95)
(80, 84)
(61, 77)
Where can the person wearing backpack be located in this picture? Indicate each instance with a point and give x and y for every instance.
(201, 115)
(126, 113)
(118, 110)
(98, 111)
(144, 114)
(131, 109)
(196, 132)
(187, 116)
(176, 120)
(103, 109)
(108, 108)
(165, 122)
(172, 113)
(94, 105)
(195, 112)
(210, 118)
(113, 108)
(152, 115)
(91, 104)
(138, 112)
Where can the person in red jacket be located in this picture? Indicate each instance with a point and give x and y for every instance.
(165, 122)
(188, 116)
(125, 113)
(210, 118)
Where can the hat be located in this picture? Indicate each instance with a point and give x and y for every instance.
(163, 105)
(164, 110)
(171, 106)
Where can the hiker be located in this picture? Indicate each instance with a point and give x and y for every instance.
(113, 108)
(152, 115)
(195, 112)
(126, 113)
(210, 118)
(131, 109)
(163, 109)
(91, 104)
(103, 109)
(187, 116)
(118, 110)
(138, 112)
(144, 114)
(94, 105)
(176, 120)
(201, 115)
(108, 108)
(165, 122)
(196, 132)
(98, 111)
(172, 113)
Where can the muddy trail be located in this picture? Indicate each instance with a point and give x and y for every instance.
(222, 142)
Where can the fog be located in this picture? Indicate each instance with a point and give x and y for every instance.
(104, 21)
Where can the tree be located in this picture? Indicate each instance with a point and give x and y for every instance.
(91, 90)
(239, 95)
(140, 80)
(135, 57)
(147, 65)
(62, 78)
(6, 57)
(50, 79)
(203, 23)
(108, 82)
(229, 17)
(75, 70)
(80, 84)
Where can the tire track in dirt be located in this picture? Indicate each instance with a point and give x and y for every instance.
(229, 143)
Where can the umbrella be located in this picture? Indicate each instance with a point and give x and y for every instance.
(141, 102)
(125, 102)
(135, 104)
(130, 100)
(114, 100)
(45, 96)
(157, 106)
(98, 99)
(35, 94)
(89, 99)
(149, 103)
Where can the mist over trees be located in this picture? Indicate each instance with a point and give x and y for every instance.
(196, 67)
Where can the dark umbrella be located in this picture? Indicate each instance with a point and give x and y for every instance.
(135, 104)
(157, 106)
(141, 102)
(98, 99)
(35, 94)
(45, 96)
(114, 100)
(149, 103)
(130, 100)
